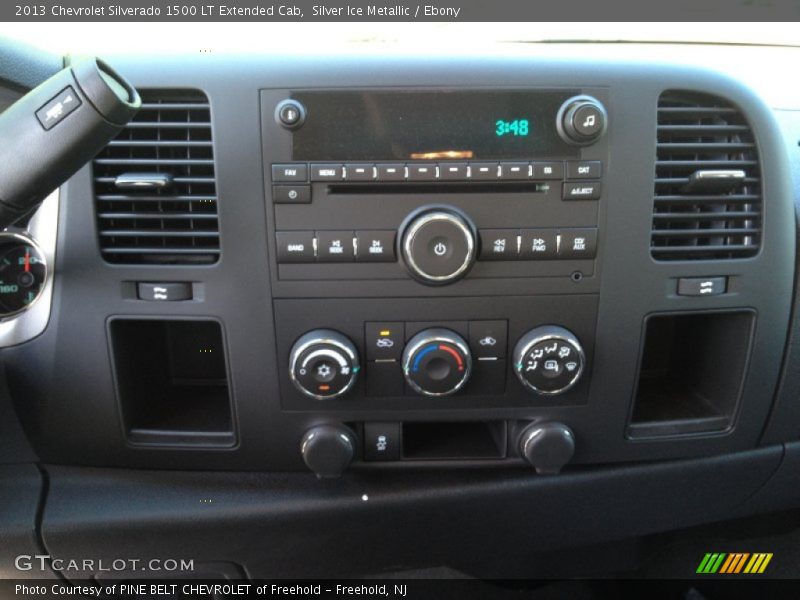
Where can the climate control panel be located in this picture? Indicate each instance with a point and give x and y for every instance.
(534, 351)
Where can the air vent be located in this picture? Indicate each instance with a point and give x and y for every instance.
(708, 182)
(155, 187)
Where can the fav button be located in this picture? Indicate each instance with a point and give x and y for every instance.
(289, 172)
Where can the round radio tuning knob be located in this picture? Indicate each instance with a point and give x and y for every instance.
(438, 245)
(582, 120)
(548, 360)
(547, 446)
(328, 450)
(437, 362)
(323, 364)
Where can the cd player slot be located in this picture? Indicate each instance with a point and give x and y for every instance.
(489, 187)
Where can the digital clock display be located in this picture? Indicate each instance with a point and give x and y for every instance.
(433, 124)
(519, 127)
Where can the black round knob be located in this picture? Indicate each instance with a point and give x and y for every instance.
(438, 245)
(437, 362)
(548, 360)
(290, 114)
(582, 120)
(547, 446)
(328, 450)
(323, 364)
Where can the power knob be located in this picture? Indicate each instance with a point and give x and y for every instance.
(323, 364)
(438, 245)
(437, 362)
(581, 121)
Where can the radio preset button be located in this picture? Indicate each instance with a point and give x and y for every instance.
(498, 244)
(578, 243)
(426, 172)
(585, 169)
(453, 171)
(548, 170)
(375, 246)
(295, 246)
(291, 194)
(538, 244)
(582, 190)
(391, 172)
(359, 172)
(484, 171)
(514, 170)
(335, 246)
(331, 172)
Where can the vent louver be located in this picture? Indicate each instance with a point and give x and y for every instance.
(707, 183)
(155, 186)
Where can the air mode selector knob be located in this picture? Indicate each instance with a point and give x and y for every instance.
(437, 362)
(549, 360)
(438, 245)
(323, 364)
(582, 120)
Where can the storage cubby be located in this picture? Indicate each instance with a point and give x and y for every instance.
(454, 440)
(691, 373)
(172, 382)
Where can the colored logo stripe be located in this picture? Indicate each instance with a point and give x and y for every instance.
(734, 563)
(711, 562)
(758, 563)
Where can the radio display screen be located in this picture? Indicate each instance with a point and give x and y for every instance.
(430, 125)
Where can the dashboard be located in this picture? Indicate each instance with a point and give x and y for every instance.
(426, 276)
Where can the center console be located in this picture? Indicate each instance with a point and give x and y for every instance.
(427, 201)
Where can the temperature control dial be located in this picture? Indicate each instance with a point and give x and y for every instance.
(549, 360)
(22, 273)
(323, 364)
(437, 362)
